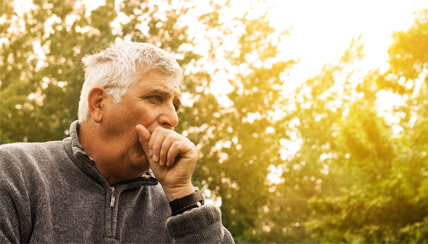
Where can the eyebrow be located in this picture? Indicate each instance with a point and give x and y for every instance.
(160, 92)
(177, 101)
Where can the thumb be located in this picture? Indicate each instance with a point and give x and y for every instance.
(143, 137)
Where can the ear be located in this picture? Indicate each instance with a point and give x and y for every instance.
(96, 99)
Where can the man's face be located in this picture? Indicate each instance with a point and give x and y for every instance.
(152, 101)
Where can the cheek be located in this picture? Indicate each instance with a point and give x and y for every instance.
(135, 115)
(146, 117)
(121, 120)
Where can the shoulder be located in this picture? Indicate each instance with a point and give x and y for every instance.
(19, 159)
(22, 150)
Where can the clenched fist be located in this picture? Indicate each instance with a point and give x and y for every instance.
(172, 159)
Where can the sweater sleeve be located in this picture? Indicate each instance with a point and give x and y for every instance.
(9, 223)
(12, 199)
(200, 225)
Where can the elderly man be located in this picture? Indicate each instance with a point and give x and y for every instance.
(123, 175)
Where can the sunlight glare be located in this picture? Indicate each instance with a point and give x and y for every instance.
(322, 30)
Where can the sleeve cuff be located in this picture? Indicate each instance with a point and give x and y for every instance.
(197, 224)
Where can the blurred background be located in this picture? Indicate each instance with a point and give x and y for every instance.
(311, 117)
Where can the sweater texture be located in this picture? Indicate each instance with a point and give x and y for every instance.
(53, 192)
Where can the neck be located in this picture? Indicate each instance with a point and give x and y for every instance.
(109, 159)
(93, 146)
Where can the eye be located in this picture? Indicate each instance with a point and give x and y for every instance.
(177, 107)
(177, 104)
(155, 99)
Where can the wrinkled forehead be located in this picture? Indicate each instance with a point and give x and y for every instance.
(156, 77)
(176, 79)
(173, 81)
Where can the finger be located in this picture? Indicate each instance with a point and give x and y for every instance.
(177, 149)
(168, 141)
(144, 138)
(152, 138)
(173, 152)
(155, 144)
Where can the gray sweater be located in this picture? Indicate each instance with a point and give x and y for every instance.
(53, 193)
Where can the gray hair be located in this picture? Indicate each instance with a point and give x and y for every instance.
(121, 65)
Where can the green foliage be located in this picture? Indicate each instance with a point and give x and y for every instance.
(354, 178)
(238, 143)
(385, 201)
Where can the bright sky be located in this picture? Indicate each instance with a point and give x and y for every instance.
(323, 30)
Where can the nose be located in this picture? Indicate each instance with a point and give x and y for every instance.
(169, 118)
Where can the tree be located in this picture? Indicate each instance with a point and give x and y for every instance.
(383, 201)
(356, 177)
(240, 140)
(313, 112)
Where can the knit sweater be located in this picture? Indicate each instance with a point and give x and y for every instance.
(53, 193)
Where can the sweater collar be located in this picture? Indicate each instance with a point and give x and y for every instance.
(87, 165)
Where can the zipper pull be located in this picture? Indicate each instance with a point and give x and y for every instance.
(113, 198)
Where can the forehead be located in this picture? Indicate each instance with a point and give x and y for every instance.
(156, 80)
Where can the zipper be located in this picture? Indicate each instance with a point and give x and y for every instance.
(113, 197)
(149, 180)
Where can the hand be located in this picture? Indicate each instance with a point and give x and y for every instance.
(172, 159)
